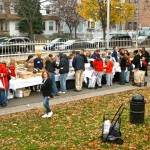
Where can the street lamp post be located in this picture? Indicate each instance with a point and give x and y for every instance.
(108, 21)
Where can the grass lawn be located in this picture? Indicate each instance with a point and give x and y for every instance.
(75, 126)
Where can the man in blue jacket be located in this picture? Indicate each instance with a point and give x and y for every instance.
(63, 71)
(114, 54)
(79, 67)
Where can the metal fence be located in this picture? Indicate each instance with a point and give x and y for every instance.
(22, 50)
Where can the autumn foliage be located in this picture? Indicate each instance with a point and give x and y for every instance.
(97, 11)
(75, 125)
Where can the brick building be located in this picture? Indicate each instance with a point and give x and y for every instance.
(142, 15)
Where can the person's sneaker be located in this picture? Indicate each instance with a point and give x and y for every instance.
(60, 92)
(45, 116)
(49, 114)
(63, 92)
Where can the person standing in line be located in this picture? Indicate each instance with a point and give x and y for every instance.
(109, 73)
(114, 54)
(79, 67)
(136, 60)
(98, 70)
(95, 54)
(46, 89)
(123, 66)
(63, 71)
(146, 56)
(83, 55)
(129, 67)
(50, 66)
(4, 81)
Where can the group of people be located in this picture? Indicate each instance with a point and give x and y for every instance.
(61, 63)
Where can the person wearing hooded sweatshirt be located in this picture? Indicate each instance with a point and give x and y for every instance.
(63, 71)
(98, 70)
(4, 81)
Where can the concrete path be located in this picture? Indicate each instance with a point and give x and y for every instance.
(35, 99)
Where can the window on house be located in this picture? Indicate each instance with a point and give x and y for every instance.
(135, 25)
(15, 8)
(47, 9)
(1, 8)
(130, 1)
(51, 26)
(93, 25)
(43, 25)
(129, 26)
(6, 27)
(1, 26)
(136, 12)
(88, 24)
(135, 1)
(16, 26)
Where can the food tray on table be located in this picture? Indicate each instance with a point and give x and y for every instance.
(25, 74)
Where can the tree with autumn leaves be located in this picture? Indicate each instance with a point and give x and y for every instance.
(97, 11)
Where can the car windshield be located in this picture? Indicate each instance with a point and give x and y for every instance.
(3, 40)
(144, 33)
(70, 42)
(55, 41)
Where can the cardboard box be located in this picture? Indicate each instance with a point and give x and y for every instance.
(25, 75)
(26, 93)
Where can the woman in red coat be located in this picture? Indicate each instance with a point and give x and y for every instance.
(99, 68)
(4, 80)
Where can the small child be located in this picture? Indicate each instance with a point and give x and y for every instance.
(109, 74)
(13, 67)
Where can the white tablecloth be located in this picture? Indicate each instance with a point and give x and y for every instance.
(22, 83)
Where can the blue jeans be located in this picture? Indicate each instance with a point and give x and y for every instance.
(46, 104)
(55, 90)
(123, 76)
(63, 78)
(3, 97)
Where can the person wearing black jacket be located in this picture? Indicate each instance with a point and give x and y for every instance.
(63, 71)
(46, 89)
(50, 66)
(123, 66)
(136, 60)
(83, 55)
(79, 67)
(145, 54)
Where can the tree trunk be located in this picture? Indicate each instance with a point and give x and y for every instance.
(70, 28)
(75, 32)
(31, 31)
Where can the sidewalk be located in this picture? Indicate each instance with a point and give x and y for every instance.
(35, 100)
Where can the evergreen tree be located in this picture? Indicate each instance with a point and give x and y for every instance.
(31, 18)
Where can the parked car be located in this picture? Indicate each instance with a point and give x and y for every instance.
(120, 40)
(3, 39)
(75, 44)
(98, 41)
(144, 37)
(15, 45)
(54, 43)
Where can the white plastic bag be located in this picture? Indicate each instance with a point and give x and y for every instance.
(1, 85)
(106, 126)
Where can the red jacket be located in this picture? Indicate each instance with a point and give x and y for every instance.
(98, 65)
(4, 76)
(109, 66)
(12, 71)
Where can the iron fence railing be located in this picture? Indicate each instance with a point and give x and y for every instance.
(22, 50)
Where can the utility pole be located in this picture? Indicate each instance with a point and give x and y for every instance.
(108, 21)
